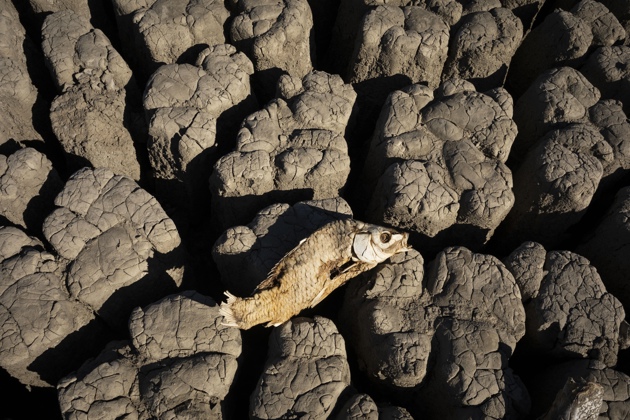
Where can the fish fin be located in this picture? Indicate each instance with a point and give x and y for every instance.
(268, 283)
(272, 278)
(229, 320)
(320, 296)
(276, 267)
(349, 266)
(348, 271)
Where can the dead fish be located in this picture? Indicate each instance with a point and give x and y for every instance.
(325, 260)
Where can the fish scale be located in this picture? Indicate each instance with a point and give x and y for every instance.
(311, 271)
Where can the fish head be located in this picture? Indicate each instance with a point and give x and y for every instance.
(374, 244)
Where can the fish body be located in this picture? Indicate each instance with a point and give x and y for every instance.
(325, 260)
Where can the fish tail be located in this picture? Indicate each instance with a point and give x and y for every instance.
(243, 313)
(229, 319)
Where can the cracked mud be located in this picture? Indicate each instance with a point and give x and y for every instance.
(155, 154)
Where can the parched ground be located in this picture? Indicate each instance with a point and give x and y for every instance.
(157, 153)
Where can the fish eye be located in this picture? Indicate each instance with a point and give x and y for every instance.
(385, 237)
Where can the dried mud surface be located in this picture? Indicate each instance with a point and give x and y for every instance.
(157, 153)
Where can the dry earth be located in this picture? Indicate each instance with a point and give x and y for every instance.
(156, 153)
